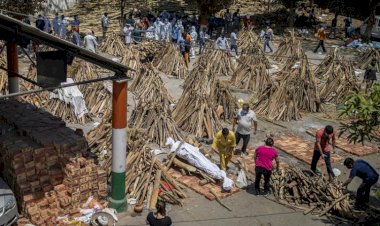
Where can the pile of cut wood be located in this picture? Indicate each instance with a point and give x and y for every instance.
(338, 78)
(366, 58)
(194, 112)
(65, 111)
(82, 70)
(224, 98)
(113, 44)
(155, 117)
(250, 42)
(170, 61)
(131, 59)
(149, 86)
(288, 48)
(3, 74)
(251, 75)
(149, 49)
(313, 194)
(99, 139)
(148, 179)
(97, 97)
(219, 62)
(294, 89)
(37, 99)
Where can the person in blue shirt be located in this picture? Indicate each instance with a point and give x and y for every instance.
(75, 23)
(367, 173)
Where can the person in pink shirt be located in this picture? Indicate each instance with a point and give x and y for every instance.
(264, 157)
(323, 138)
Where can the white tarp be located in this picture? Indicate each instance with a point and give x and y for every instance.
(71, 95)
(197, 159)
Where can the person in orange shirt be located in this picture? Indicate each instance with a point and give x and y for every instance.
(321, 36)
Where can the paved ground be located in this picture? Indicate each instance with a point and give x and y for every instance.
(248, 209)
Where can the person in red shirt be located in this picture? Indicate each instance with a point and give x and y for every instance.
(247, 22)
(264, 157)
(323, 137)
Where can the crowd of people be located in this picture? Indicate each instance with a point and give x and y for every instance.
(188, 31)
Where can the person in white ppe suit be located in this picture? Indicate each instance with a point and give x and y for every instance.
(167, 30)
(194, 38)
(128, 30)
(149, 34)
(89, 42)
(157, 28)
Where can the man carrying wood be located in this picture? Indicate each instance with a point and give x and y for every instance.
(244, 119)
(367, 173)
(224, 143)
(324, 137)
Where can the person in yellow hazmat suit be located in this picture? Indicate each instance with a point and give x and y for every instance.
(224, 143)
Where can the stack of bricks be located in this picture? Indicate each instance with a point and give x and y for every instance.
(43, 163)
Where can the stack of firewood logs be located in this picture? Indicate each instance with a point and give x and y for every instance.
(314, 194)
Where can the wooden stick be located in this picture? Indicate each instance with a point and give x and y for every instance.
(156, 187)
(219, 201)
(332, 205)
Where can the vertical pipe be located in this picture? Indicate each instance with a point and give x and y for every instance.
(12, 62)
(119, 145)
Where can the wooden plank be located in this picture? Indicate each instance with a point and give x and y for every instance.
(300, 148)
(344, 144)
(192, 182)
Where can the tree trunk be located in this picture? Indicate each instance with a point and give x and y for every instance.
(292, 14)
(122, 7)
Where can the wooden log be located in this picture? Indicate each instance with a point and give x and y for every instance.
(332, 205)
(156, 187)
(219, 201)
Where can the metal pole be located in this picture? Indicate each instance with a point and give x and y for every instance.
(119, 145)
(12, 61)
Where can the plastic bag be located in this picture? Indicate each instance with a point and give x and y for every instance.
(227, 184)
(241, 181)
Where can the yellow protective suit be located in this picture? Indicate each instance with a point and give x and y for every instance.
(225, 147)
